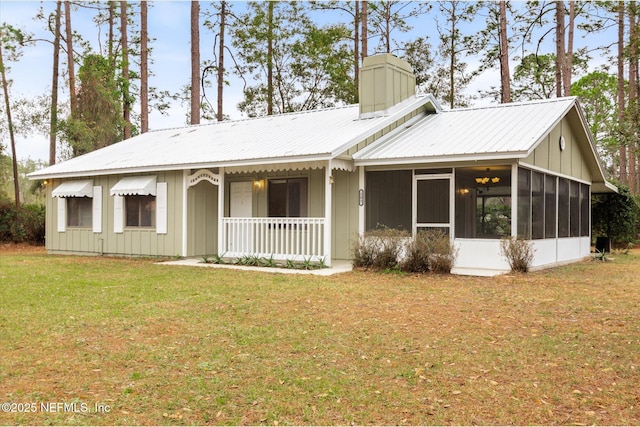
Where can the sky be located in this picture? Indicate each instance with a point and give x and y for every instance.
(169, 24)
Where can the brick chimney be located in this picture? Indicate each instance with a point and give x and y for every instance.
(385, 81)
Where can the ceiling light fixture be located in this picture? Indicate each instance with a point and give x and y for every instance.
(484, 180)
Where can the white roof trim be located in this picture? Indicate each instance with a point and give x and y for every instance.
(83, 188)
(135, 185)
(474, 157)
(274, 167)
(343, 164)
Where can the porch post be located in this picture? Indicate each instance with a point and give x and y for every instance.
(514, 200)
(221, 231)
(327, 213)
(185, 210)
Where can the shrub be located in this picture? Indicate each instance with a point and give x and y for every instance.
(33, 223)
(8, 222)
(379, 249)
(430, 250)
(27, 225)
(519, 253)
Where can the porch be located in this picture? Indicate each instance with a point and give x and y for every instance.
(298, 213)
(296, 239)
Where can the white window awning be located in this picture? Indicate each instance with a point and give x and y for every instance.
(82, 188)
(135, 186)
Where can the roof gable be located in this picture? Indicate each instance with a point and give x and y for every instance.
(505, 130)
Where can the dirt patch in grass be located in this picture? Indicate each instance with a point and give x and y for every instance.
(20, 248)
(183, 346)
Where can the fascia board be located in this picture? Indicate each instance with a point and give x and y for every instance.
(178, 167)
(443, 159)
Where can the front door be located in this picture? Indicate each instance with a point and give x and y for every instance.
(432, 203)
(241, 196)
(241, 206)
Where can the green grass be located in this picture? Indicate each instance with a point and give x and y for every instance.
(174, 345)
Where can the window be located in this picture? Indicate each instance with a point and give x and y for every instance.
(524, 203)
(140, 211)
(563, 207)
(585, 210)
(553, 202)
(537, 205)
(550, 207)
(288, 198)
(389, 199)
(574, 209)
(483, 207)
(79, 211)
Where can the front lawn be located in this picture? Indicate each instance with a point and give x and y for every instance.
(87, 340)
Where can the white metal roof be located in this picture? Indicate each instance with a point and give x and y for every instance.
(313, 135)
(505, 130)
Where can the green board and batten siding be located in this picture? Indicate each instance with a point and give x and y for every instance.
(202, 219)
(344, 214)
(132, 241)
(570, 161)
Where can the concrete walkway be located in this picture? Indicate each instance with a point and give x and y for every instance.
(339, 266)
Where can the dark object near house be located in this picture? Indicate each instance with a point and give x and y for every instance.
(603, 244)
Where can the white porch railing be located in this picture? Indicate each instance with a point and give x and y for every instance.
(296, 239)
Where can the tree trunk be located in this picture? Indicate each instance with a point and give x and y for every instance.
(270, 8)
(144, 71)
(53, 124)
(70, 62)
(7, 104)
(195, 63)
(365, 29)
(632, 116)
(452, 60)
(223, 22)
(356, 48)
(111, 42)
(622, 150)
(126, 104)
(505, 76)
(559, 46)
(387, 27)
(568, 59)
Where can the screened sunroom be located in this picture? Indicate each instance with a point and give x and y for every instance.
(481, 174)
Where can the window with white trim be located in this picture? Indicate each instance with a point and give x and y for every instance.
(140, 202)
(79, 211)
(140, 211)
(288, 198)
(79, 205)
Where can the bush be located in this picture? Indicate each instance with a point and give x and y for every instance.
(389, 249)
(519, 253)
(379, 249)
(27, 225)
(430, 250)
(33, 220)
